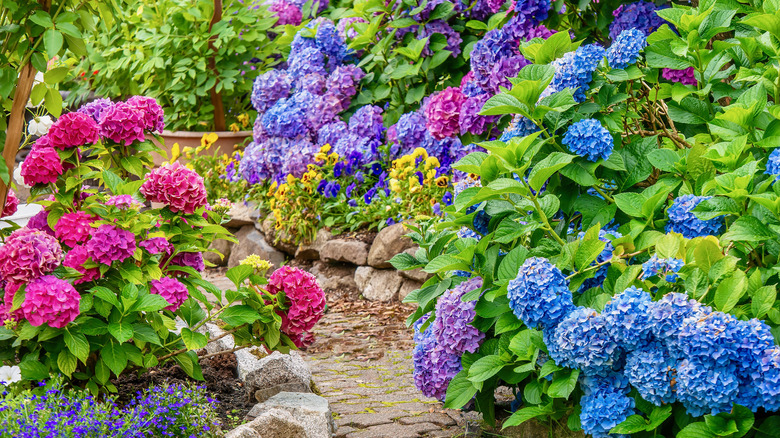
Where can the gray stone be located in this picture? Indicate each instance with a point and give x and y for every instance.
(349, 251)
(390, 241)
(241, 215)
(222, 247)
(243, 431)
(334, 277)
(264, 394)
(312, 250)
(251, 241)
(223, 344)
(377, 284)
(248, 361)
(276, 423)
(276, 369)
(277, 239)
(407, 286)
(310, 410)
(415, 274)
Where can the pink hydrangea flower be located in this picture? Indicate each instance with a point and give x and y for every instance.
(305, 298)
(75, 258)
(11, 205)
(287, 12)
(124, 202)
(42, 142)
(73, 130)
(10, 289)
(174, 292)
(153, 116)
(42, 166)
(443, 113)
(109, 244)
(74, 228)
(157, 245)
(684, 76)
(181, 189)
(40, 222)
(49, 300)
(28, 254)
(123, 123)
(193, 260)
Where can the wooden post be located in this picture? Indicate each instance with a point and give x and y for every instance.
(216, 98)
(16, 126)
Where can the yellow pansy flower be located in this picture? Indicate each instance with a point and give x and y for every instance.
(243, 119)
(442, 181)
(420, 152)
(431, 162)
(175, 152)
(208, 139)
(325, 148)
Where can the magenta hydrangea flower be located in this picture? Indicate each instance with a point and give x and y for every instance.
(109, 244)
(49, 300)
(153, 115)
(443, 113)
(684, 76)
(174, 292)
(305, 298)
(11, 204)
(28, 254)
(452, 326)
(193, 260)
(40, 222)
(287, 13)
(42, 142)
(157, 245)
(72, 130)
(42, 166)
(123, 123)
(124, 202)
(74, 228)
(176, 186)
(10, 288)
(75, 259)
(346, 29)
(95, 108)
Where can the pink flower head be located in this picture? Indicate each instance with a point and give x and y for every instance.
(287, 12)
(73, 130)
(176, 186)
(124, 202)
(28, 254)
(11, 204)
(42, 166)
(50, 300)
(74, 228)
(192, 260)
(42, 142)
(75, 258)
(684, 76)
(40, 222)
(109, 244)
(174, 292)
(153, 116)
(123, 123)
(443, 112)
(305, 298)
(157, 245)
(10, 288)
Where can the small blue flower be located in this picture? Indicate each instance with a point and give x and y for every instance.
(773, 164)
(587, 138)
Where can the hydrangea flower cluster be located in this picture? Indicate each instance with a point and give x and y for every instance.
(123, 123)
(174, 185)
(452, 326)
(434, 368)
(288, 13)
(624, 51)
(152, 115)
(174, 292)
(539, 295)
(11, 205)
(575, 70)
(75, 259)
(28, 254)
(95, 108)
(685, 76)
(667, 267)
(533, 11)
(773, 164)
(72, 130)
(639, 15)
(51, 301)
(109, 244)
(588, 138)
(42, 166)
(683, 221)
(442, 113)
(305, 298)
(582, 340)
(74, 228)
(605, 404)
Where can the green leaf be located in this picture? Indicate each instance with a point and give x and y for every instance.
(511, 263)
(150, 303)
(239, 273)
(52, 42)
(507, 322)
(762, 300)
(663, 159)
(189, 363)
(632, 424)
(630, 203)
(106, 295)
(523, 415)
(445, 262)
(563, 384)
(460, 391)
(485, 368)
(730, 291)
(545, 168)
(660, 55)
(55, 75)
(668, 246)
(121, 330)
(114, 356)
(697, 283)
(77, 344)
(193, 340)
(587, 252)
(696, 430)
(750, 229)
(53, 102)
(34, 370)
(658, 416)
(66, 362)
(238, 315)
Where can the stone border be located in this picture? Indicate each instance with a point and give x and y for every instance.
(341, 265)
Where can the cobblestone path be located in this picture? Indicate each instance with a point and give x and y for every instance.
(362, 363)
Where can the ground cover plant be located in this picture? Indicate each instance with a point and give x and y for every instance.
(613, 256)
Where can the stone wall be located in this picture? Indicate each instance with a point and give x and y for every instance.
(343, 266)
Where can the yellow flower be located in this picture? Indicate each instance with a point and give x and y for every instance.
(432, 162)
(414, 184)
(290, 179)
(420, 152)
(395, 185)
(393, 173)
(442, 181)
(189, 166)
(259, 264)
(320, 156)
(243, 119)
(234, 127)
(175, 152)
(208, 139)
(325, 148)
(187, 152)
(333, 158)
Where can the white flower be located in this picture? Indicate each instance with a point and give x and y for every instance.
(40, 125)
(18, 177)
(10, 375)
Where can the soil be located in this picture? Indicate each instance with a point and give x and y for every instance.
(365, 236)
(222, 384)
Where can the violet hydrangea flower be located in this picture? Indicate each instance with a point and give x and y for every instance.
(452, 326)
(123, 123)
(28, 254)
(95, 108)
(685, 76)
(268, 88)
(109, 244)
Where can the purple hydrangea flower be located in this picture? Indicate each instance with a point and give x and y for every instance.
(434, 368)
(685, 76)
(332, 133)
(470, 120)
(441, 27)
(268, 88)
(640, 15)
(367, 122)
(109, 244)
(452, 327)
(95, 108)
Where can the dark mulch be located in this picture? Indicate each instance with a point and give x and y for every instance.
(222, 384)
(365, 236)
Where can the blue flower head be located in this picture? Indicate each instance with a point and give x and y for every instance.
(481, 222)
(682, 221)
(533, 11)
(519, 127)
(624, 51)
(668, 315)
(651, 371)
(575, 70)
(539, 295)
(605, 404)
(582, 340)
(773, 164)
(668, 267)
(587, 138)
(640, 15)
(627, 318)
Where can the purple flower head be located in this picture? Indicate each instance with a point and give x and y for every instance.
(640, 15)
(123, 123)
(288, 13)
(685, 76)
(192, 260)
(434, 368)
(153, 116)
(532, 11)
(28, 254)
(367, 122)
(298, 154)
(109, 244)
(411, 131)
(332, 133)
(309, 60)
(470, 120)
(95, 108)
(286, 119)
(343, 81)
(157, 245)
(452, 327)
(268, 88)
(440, 27)
(443, 111)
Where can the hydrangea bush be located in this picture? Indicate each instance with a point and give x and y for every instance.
(107, 277)
(624, 233)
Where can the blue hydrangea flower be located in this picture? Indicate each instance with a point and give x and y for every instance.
(605, 404)
(624, 51)
(466, 233)
(262, 161)
(587, 138)
(768, 381)
(773, 164)
(539, 295)
(583, 341)
(651, 371)
(298, 153)
(308, 61)
(668, 267)
(640, 15)
(705, 389)
(605, 236)
(481, 222)
(668, 315)
(268, 88)
(533, 11)
(628, 320)
(285, 119)
(682, 221)
(332, 133)
(575, 70)
(411, 131)
(754, 339)
(519, 127)
(452, 326)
